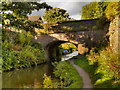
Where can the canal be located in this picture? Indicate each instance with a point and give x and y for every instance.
(27, 78)
(30, 77)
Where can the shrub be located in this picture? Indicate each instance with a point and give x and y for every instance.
(112, 10)
(107, 63)
(8, 55)
(48, 83)
(68, 75)
(21, 53)
(102, 67)
(24, 38)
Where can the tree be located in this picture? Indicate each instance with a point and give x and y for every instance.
(112, 10)
(56, 15)
(21, 9)
(18, 12)
(92, 10)
(101, 9)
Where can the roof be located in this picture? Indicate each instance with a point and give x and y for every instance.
(33, 18)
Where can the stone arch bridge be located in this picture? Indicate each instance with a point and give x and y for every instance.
(85, 34)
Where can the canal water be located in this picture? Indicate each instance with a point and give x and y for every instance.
(30, 77)
(27, 78)
(68, 56)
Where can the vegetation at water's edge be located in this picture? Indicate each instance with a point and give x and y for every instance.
(18, 51)
(67, 74)
(102, 67)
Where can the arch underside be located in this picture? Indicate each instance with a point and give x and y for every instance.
(52, 50)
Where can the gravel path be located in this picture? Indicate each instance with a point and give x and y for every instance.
(85, 76)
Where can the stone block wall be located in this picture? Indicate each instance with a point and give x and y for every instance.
(78, 25)
(114, 34)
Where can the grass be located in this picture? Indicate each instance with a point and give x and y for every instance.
(98, 79)
(77, 80)
(68, 74)
(83, 63)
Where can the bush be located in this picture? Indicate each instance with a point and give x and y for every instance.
(48, 83)
(24, 57)
(112, 10)
(102, 67)
(8, 55)
(20, 52)
(107, 63)
(24, 38)
(67, 74)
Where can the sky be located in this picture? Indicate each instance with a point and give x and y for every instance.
(73, 8)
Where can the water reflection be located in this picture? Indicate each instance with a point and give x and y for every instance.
(68, 56)
(30, 77)
(26, 78)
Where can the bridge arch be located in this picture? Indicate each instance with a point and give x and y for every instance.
(85, 34)
(52, 50)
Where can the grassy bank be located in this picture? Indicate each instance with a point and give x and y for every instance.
(102, 68)
(67, 74)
